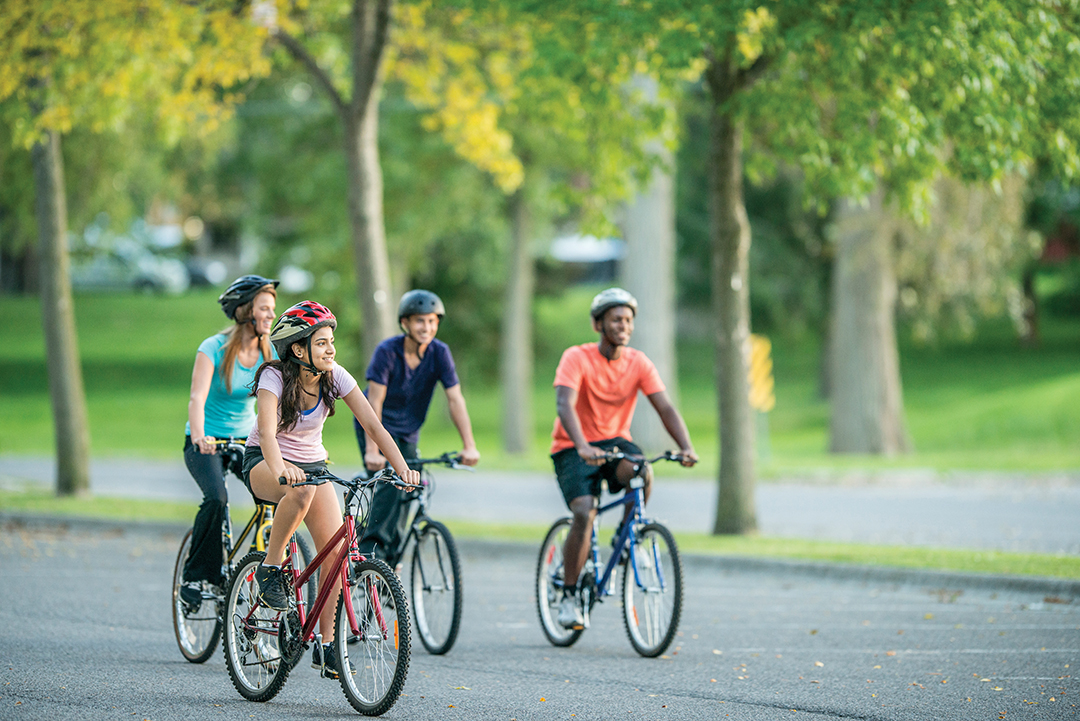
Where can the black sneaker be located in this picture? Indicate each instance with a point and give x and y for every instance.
(191, 595)
(271, 588)
(328, 656)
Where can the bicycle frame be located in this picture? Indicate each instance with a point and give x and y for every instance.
(625, 541)
(349, 551)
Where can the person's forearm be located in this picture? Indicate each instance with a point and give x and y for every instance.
(459, 414)
(676, 428)
(571, 424)
(196, 415)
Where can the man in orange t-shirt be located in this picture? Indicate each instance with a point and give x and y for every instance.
(596, 387)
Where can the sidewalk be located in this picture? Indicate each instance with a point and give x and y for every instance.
(987, 511)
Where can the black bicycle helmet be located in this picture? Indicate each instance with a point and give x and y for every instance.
(611, 298)
(419, 302)
(241, 291)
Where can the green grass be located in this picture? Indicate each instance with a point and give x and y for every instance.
(1023, 564)
(985, 405)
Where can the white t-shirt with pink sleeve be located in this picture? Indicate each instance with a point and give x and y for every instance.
(303, 442)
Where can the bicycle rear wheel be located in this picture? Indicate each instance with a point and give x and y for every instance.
(251, 636)
(380, 652)
(436, 587)
(197, 630)
(549, 585)
(652, 590)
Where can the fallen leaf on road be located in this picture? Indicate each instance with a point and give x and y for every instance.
(818, 663)
(890, 653)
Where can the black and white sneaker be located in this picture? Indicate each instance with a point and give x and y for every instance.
(191, 595)
(328, 661)
(271, 588)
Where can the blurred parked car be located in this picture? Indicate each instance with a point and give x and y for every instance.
(128, 265)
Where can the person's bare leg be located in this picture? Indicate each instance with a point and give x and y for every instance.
(292, 506)
(576, 546)
(323, 520)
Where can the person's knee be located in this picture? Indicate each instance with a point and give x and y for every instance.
(584, 509)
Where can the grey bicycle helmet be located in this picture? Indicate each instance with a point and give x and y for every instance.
(610, 298)
(241, 291)
(420, 302)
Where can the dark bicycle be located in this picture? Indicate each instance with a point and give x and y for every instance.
(435, 569)
(646, 553)
(198, 628)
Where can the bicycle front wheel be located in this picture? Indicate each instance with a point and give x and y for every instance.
(436, 588)
(252, 636)
(197, 629)
(379, 653)
(652, 590)
(549, 585)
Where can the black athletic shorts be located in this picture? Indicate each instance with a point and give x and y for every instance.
(253, 455)
(578, 478)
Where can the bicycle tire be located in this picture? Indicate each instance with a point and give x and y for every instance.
(242, 641)
(436, 587)
(380, 669)
(549, 585)
(652, 590)
(197, 633)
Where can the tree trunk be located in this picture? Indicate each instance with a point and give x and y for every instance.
(58, 319)
(649, 273)
(516, 353)
(730, 233)
(867, 400)
(368, 230)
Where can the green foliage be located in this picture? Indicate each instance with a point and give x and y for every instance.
(982, 405)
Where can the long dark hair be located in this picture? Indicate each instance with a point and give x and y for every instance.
(292, 391)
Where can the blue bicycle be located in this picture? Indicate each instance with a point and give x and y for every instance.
(646, 553)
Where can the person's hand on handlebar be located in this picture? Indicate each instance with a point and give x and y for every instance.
(689, 457)
(373, 460)
(592, 455)
(206, 445)
(469, 457)
(292, 475)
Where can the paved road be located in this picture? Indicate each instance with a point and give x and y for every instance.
(997, 511)
(85, 634)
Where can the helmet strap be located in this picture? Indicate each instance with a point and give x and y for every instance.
(306, 364)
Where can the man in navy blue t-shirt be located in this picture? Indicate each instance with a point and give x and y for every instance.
(401, 380)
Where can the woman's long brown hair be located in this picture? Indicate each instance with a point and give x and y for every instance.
(232, 345)
(290, 404)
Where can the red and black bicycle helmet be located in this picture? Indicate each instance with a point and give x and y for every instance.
(241, 291)
(297, 324)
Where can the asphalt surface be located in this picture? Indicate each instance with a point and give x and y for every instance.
(1008, 512)
(85, 633)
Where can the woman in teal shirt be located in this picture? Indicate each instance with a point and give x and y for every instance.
(221, 406)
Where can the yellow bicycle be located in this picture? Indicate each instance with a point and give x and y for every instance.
(198, 628)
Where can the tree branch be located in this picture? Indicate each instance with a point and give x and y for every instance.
(752, 74)
(298, 51)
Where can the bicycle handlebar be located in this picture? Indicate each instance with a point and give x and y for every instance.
(317, 478)
(618, 455)
(448, 459)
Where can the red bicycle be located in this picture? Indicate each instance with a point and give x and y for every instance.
(372, 625)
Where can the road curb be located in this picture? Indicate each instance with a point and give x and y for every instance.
(931, 579)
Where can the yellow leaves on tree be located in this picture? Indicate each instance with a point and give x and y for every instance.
(95, 62)
(463, 74)
(751, 38)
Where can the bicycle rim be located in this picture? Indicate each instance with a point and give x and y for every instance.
(250, 636)
(549, 585)
(197, 632)
(379, 654)
(652, 590)
(436, 588)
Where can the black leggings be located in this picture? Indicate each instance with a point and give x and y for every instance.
(205, 558)
(389, 512)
